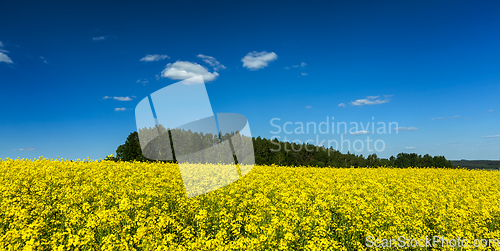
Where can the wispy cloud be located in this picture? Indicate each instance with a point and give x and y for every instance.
(492, 136)
(118, 98)
(143, 81)
(490, 111)
(43, 59)
(308, 107)
(181, 70)
(303, 65)
(26, 149)
(122, 98)
(440, 118)
(120, 109)
(102, 38)
(411, 128)
(212, 62)
(154, 57)
(4, 58)
(360, 133)
(258, 60)
(370, 100)
(2, 50)
(304, 74)
(410, 147)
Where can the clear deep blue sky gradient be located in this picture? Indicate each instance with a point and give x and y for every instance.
(434, 64)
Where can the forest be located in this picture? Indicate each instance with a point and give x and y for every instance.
(159, 146)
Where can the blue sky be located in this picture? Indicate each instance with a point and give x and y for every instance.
(72, 72)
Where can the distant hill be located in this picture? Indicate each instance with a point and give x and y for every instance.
(477, 164)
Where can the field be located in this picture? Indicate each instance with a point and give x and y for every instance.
(62, 205)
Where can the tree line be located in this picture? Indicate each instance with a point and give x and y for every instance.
(266, 152)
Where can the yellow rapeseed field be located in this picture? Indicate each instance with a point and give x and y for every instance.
(62, 205)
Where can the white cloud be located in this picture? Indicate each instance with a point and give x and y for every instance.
(405, 128)
(122, 98)
(154, 57)
(370, 100)
(360, 132)
(120, 109)
(102, 38)
(303, 64)
(308, 107)
(118, 98)
(367, 102)
(2, 50)
(212, 62)
(492, 136)
(45, 61)
(258, 60)
(490, 111)
(143, 81)
(454, 117)
(181, 70)
(341, 105)
(410, 147)
(4, 58)
(27, 149)
(304, 74)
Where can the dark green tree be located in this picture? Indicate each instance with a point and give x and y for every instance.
(131, 150)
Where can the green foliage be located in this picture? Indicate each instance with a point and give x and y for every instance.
(131, 150)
